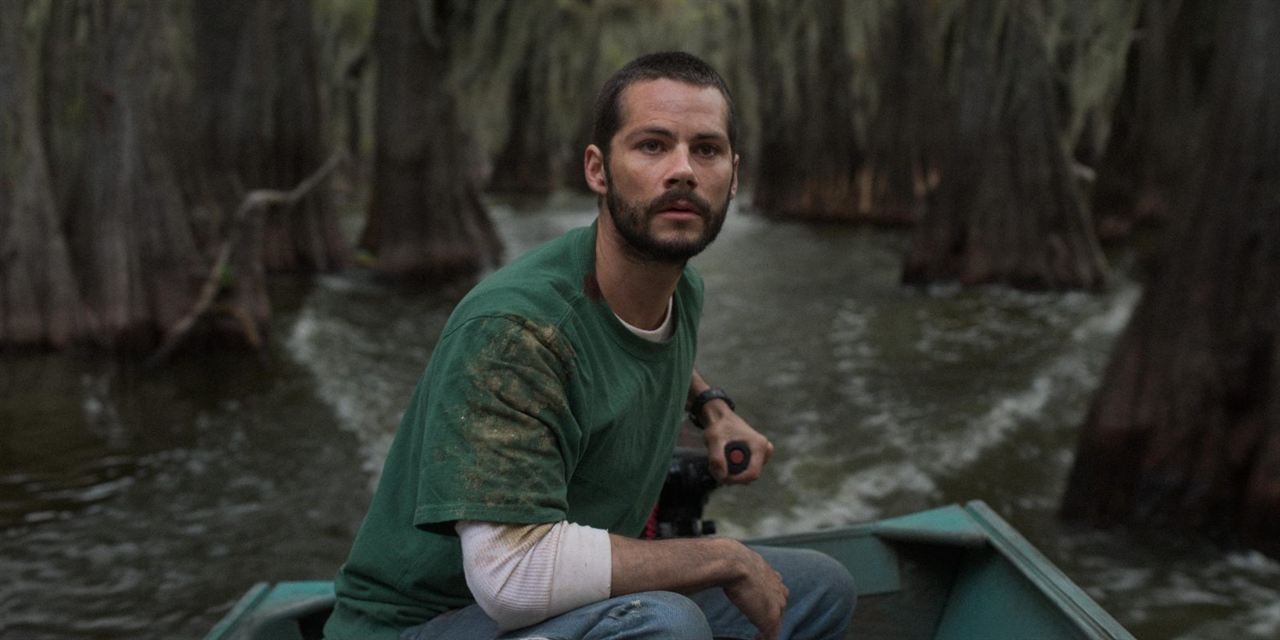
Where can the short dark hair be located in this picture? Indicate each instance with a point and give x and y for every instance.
(669, 65)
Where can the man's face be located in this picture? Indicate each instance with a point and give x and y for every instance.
(670, 173)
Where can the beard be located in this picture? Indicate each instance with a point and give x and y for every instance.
(633, 219)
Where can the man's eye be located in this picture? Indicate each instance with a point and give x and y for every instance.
(650, 146)
(708, 150)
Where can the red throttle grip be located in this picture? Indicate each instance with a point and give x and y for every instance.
(738, 456)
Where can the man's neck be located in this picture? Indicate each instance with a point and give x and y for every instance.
(637, 289)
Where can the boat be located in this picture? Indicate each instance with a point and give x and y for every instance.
(951, 573)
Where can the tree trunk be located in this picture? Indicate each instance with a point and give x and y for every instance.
(65, 67)
(39, 296)
(530, 161)
(809, 152)
(259, 100)
(132, 244)
(1007, 209)
(426, 221)
(899, 174)
(1163, 100)
(1185, 430)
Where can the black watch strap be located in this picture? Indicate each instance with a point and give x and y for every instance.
(695, 407)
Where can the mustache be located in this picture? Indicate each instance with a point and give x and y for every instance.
(670, 198)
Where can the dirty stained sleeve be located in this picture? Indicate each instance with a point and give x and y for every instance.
(499, 426)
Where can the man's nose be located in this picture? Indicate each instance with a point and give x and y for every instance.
(680, 173)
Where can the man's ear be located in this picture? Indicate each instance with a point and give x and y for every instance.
(594, 170)
(733, 185)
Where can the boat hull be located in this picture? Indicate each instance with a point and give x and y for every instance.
(952, 573)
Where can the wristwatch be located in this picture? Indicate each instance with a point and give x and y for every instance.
(695, 407)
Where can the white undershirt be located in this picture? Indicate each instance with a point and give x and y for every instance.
(523, 574)
(661, 334)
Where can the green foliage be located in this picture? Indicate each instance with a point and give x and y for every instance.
(567, 48)
(226, 278)
(343, 30)
(797, 62)
(563, 50)
(36, 19)
(1086, 44)
(1089, 43)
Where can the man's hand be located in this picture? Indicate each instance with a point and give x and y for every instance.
(725, 426)
(689, 565)
(722, 426)
(759, 594)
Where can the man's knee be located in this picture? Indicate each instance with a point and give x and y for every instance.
(822, 591)
(659, 614)
(832, 594)
(840, 589)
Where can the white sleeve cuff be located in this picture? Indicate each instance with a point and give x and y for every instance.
(523, 574)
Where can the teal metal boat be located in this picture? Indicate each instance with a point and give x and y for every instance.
(952, 573)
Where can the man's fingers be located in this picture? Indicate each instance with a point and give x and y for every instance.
(750, 474)
(760, 454)
(772, 632)
(715, 459)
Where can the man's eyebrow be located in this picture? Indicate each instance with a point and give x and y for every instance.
(711, 135)
(651, 131)
(667, 133)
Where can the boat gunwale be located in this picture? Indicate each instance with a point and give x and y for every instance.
(973, 527)
(1080, 608)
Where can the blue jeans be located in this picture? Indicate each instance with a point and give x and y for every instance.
(819, 607)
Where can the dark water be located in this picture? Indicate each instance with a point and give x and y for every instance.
(141, 506)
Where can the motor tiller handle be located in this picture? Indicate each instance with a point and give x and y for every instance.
(738, 456)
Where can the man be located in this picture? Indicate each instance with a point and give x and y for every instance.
(538, 439)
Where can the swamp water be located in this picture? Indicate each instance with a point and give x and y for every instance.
(143, 506)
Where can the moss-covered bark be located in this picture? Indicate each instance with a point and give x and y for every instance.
(531, 159)
(425, 221)
(260, 123)
(132, 242)
(1161, 106)
(809, 151)
(40, 302)
(899, 172)
(1007, 209)
(1185, 430)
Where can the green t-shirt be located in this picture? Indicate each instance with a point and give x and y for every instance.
(538, 406)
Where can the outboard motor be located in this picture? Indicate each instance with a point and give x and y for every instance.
(687, 488)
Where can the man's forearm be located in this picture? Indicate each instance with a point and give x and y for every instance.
(684, 565)
(687, 565)
(696, 385)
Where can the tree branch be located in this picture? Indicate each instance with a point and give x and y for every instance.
(254, 201)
